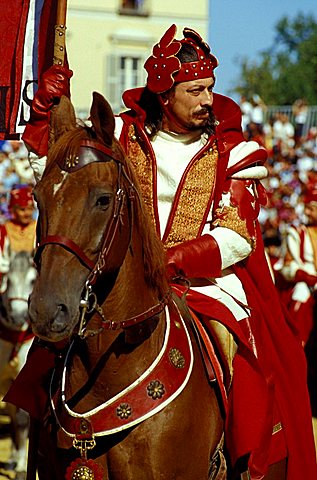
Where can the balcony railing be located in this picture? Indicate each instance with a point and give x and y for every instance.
(287, 109)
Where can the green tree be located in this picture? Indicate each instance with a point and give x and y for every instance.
(287, 70)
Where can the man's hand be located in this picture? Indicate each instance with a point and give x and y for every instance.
(52, 86)
(197, 258)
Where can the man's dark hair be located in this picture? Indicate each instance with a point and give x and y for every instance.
(149, 101)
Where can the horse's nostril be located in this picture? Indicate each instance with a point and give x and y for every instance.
(60, 320)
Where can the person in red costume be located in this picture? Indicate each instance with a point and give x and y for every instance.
(201, 182)
(300, 268)
(18, 233)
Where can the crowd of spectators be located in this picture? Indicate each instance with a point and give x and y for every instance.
(292, 163)
(14, 170)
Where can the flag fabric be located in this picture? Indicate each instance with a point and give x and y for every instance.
(26, 51)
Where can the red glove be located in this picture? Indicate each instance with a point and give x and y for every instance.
(53, 84)
(198, 258)
(302, 276)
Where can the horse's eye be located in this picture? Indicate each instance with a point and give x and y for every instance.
(103, 201)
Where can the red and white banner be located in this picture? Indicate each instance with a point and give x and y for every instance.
(26, 51)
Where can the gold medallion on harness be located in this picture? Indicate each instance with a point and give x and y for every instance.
(81, 469)
(176, 358)
(72, 161)
(83, 473)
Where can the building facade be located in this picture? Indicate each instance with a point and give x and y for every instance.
(108, 42)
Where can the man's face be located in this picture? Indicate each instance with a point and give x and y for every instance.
(187, 107)
(311, 213)
(23, 215)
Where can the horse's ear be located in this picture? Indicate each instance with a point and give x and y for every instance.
(102, 118)
(63, 119)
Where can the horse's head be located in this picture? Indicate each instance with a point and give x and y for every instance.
(17, 285)
(84, 217)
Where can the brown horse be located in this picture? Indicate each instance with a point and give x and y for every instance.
(131, 395)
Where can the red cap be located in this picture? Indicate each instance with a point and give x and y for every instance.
(21, 197)
(164, 68)
(310, 195)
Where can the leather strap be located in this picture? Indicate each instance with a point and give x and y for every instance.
(155, 310)
(211, 362)
(188, 315)
(69, 245)
(89, 152)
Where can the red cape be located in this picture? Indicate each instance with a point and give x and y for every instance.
(283, 362)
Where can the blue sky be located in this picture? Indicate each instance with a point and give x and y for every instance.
(243, 28)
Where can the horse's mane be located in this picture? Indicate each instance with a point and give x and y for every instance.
(153, 252)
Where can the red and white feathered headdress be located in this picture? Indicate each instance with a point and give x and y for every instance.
(164, 68)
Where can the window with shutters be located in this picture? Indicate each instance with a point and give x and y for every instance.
(133, 7)
(123, 73)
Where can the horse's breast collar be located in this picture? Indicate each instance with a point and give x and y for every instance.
(163, 381)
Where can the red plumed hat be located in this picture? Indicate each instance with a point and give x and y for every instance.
(164, 68)
(21, 197)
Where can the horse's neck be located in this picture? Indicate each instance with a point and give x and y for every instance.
(107, 353)
(131, 294)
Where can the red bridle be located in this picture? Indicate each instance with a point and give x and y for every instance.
(91, 152)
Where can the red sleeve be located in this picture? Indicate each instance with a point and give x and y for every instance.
(3, 234)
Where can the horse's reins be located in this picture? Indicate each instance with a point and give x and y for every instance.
(90, 151)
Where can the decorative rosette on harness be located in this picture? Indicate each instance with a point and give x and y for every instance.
(164, 68)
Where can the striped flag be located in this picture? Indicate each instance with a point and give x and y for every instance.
(26, 51)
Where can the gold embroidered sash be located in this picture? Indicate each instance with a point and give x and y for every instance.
(193, 196)
(143, 166)
(189, 209)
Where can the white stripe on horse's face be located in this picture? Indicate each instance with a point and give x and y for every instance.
(57, 186)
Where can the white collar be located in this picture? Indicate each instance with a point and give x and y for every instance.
(189, 137)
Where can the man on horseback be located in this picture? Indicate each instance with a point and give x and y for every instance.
(17, 241)
(201, 182)
(299, 268)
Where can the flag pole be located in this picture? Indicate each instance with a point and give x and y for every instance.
(60, 31)
(59, 52)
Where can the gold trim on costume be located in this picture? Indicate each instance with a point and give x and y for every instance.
(228, 217)
(194, 199)
(312, 232)
(277, 428)
(245, 476)
(195, 195)
(143, 166)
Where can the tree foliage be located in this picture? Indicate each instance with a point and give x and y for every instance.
(287, 70)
